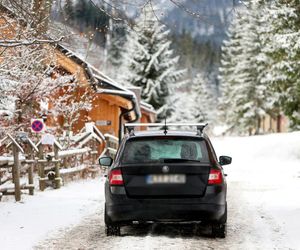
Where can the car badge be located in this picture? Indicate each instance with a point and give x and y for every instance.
(165, 169)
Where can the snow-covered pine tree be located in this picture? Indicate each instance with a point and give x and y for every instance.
(150, 62)
(246, 98)
(182, 108)
(204, 99)
(69, 11)
(229, 87)
(253, 102)
(115, 49)
(282, 50)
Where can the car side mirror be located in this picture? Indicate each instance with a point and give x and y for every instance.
(225, 160)
(105, 161)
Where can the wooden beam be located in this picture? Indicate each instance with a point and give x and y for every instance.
(72, 67)
(16, 172)
(117, 100)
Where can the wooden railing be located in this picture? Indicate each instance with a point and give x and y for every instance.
(111, 146)
(50, 168)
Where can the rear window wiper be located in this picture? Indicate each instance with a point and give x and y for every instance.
(168, 160)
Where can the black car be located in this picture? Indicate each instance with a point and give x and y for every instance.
(165, 176)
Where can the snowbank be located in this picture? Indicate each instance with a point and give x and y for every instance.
(24, 224)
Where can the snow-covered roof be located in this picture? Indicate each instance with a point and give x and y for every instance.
(103, 83)
(148, 107)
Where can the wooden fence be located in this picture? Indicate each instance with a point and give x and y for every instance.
(27, 162)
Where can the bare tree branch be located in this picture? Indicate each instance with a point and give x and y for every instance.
(17, 43)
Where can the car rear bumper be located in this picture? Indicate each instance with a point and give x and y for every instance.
(122, 209)
(165, 212)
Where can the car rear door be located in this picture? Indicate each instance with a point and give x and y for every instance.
(165, 167)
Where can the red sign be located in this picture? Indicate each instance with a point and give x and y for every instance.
(37, 125)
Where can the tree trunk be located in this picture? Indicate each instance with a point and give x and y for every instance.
(279, 118)
(258, 126)
(41, 10)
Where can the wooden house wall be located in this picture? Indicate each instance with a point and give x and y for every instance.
(272, 125)
(101, 110)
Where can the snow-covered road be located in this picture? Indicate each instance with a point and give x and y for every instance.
(248, 228)
(264, 207)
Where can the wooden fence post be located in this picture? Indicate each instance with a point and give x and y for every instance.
(31, 148)
(94, 147)
(16, 172)
(30, 172)
(16, 167)
(42, 181)
(57, 165)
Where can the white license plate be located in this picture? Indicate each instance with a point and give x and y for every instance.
(166, 178)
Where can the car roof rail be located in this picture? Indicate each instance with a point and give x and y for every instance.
(164, 126)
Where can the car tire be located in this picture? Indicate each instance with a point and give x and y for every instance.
(219, 230)
(111, 229)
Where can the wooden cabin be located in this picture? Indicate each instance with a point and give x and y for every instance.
(148, 113)
(277, 124)
(111, 103)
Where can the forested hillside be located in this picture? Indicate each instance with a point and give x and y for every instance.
(197, 29)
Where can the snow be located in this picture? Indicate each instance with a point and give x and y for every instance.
(76, 151)
(25, 223)
(267, 167)
(264, 208)
(73, 170)
(10, 159)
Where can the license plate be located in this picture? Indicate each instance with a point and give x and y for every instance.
(166, 179)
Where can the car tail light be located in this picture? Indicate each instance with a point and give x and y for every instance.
(115, 177)
(215, 176)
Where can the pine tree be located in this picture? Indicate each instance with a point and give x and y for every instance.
(246, 96)
(232, 48)
(151, 63)
(204, 100)
(69, 10)
(81, 8)
(182, 108)
(283, 53)
(116, 48)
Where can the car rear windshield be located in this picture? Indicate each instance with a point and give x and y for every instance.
(156, 149)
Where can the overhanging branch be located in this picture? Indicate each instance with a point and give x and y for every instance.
(27, 42)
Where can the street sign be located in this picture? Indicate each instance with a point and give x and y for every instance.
(103, 123)
(48, 139)
(37, 125)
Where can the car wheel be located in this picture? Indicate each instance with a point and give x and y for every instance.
(219, 230)
(111, 229)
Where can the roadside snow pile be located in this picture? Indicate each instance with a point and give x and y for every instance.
(268, 170)
(24, 224)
